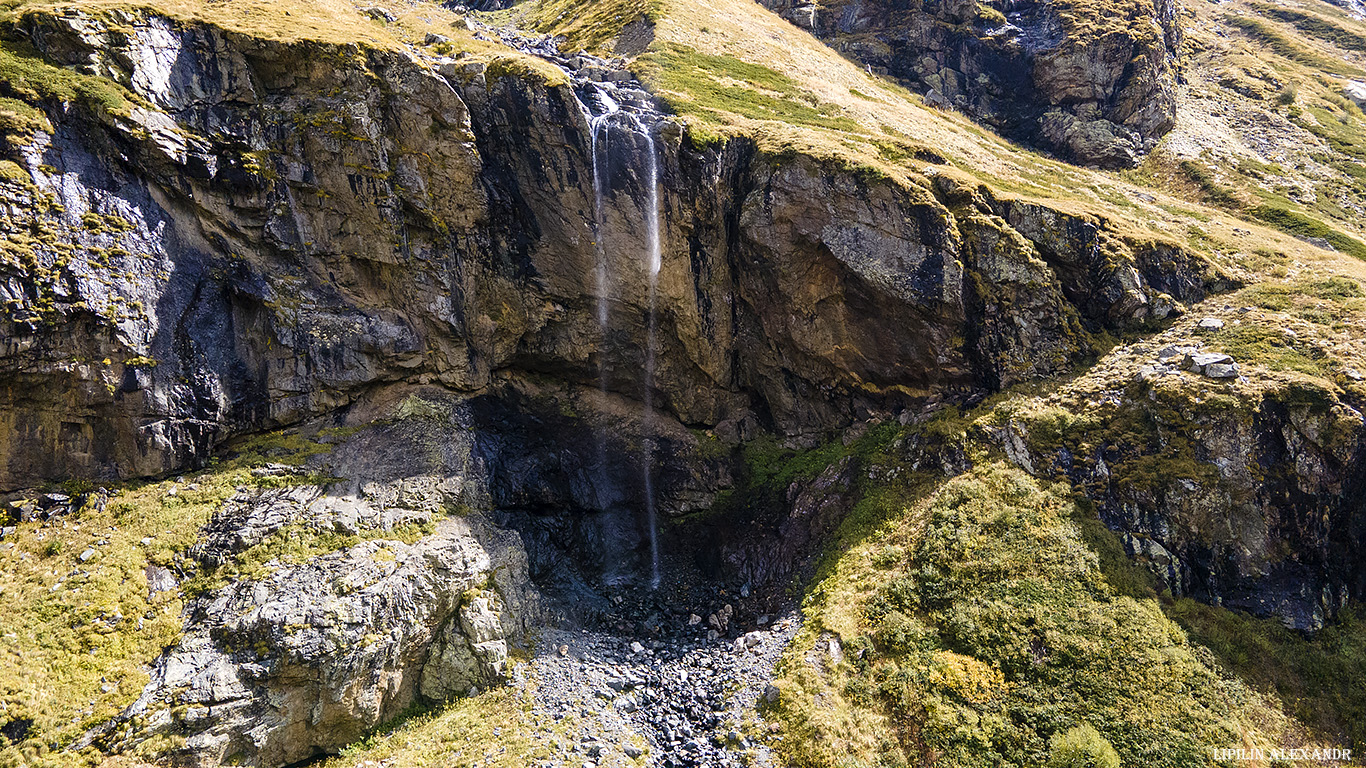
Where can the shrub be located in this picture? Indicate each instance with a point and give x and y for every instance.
(1081, 747)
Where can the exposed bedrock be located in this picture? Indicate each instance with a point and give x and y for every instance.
(1096, 84)
(287, 226)
(1258, 507)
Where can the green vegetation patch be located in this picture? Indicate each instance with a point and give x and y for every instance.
(1339, 123)
(1300, 225)
(1290, 49)
(79, 627)
(1211, 190)
(590, 25)
(26, 80)
(1321, 680)
(979, 629)
(1319, 300)
(1316, 26)
(1272, 349)
(496, 729)
(297, 544)
(709, 86)
(19, 120)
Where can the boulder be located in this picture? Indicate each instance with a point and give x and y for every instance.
(1356, 91)
(1222, 370)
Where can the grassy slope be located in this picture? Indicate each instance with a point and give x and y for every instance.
(326, 21)
(982, 616)
(976, 623)
(1264, 129)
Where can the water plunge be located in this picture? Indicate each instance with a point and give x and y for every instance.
(598, 137)
(652, 266)
(600, 122)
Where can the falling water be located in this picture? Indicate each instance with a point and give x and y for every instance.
(598, 136)
(599, 132)
(652, 267)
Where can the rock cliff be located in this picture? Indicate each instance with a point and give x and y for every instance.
(320, 609)
(270, 229)
(1095, 83)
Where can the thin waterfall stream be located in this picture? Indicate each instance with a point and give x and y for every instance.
(652, 264)
(599, 108)
(597, 148)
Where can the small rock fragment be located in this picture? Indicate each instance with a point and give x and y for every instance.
(1222, 370)
(1196, 363)
(379, 14)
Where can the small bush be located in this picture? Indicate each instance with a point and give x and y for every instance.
(1081, 747)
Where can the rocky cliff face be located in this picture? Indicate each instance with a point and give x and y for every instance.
(1246, 495)
(1094, 83)
(321, 609)
(274, 228)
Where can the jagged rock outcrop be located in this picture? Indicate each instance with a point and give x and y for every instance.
(283, 226)
(782, 550)
(1094, 83)
(324, 608)
(1256, 504)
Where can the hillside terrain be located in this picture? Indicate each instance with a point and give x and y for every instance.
(682, 382)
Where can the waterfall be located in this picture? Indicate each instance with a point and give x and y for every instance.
(598, 137)
(652, 265)
(600, 117)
